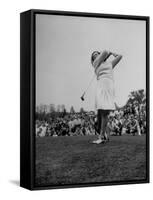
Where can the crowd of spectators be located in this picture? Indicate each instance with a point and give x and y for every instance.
(131, 119)
(68, 125)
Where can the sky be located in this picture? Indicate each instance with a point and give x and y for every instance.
(64, 46)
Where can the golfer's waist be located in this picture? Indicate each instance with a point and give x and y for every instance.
(105, 75)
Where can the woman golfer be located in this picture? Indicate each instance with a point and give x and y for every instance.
(105, 93)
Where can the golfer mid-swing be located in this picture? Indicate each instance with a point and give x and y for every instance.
(105, 94)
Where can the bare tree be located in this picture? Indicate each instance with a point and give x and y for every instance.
(72, 110)
(58, 108)
(82, 110)
(52, 108)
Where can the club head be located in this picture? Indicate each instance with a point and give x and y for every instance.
(82, 98)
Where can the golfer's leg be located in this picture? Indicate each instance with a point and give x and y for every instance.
(99, 116)
(106, 128)
(99, 122)
(104, 125)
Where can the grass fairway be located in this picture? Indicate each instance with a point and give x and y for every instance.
(73, 160)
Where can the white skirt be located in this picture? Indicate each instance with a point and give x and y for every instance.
(105, 94)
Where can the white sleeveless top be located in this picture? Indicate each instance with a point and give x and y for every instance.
(105, 70)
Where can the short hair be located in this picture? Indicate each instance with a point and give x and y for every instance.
(93, 56)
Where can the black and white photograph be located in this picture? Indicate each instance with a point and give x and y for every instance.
(76, 100)
(90, 100)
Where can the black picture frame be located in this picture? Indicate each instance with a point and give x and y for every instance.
(27, 96)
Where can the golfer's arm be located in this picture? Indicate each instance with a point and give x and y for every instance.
(101, 57)
(116, 59)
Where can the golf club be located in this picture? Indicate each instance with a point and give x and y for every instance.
(82, 97)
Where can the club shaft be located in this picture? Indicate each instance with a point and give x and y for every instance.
(89, 85)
